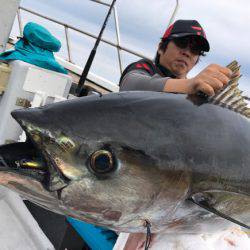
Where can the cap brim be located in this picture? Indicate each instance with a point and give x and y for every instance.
(205, 44)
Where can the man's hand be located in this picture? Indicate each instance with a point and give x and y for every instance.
(210, 80)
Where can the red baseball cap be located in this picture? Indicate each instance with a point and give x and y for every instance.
(182, 28)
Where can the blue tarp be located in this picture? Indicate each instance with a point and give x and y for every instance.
(36, 47)
(97, 238)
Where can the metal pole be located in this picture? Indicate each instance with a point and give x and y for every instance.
(92, 54)
(100, 2)
(20, 22)
(118, 40)
(68, 43)
(123, 48)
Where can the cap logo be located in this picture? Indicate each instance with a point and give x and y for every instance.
(196, 28)
(200, 31)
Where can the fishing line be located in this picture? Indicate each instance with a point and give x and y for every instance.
(204, 204)
(148, 237)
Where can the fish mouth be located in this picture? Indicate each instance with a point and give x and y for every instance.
(24, 159)
(28, 160)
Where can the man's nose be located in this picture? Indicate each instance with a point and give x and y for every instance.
(186, 52)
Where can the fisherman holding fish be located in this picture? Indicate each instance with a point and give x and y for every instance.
(152, 164)
(179, 51)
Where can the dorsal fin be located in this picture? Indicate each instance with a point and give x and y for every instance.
(230, 96)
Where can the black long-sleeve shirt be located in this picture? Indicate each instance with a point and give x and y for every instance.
(144, 75)
(141, 80)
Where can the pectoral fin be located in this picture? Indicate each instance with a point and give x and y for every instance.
(231, 206)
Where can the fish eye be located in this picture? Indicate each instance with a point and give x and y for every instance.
(102, 162)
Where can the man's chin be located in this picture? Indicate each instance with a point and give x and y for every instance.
(180, 71)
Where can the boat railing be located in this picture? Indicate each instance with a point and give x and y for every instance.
(117, 44)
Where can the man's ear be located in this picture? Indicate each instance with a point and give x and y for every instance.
(160, 50)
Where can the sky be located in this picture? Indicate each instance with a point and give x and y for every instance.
(142, 24)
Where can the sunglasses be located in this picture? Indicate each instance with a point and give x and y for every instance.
(195, 45)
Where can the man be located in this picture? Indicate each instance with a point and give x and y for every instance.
(179, 51)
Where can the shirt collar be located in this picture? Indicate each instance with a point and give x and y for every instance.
(164, 71)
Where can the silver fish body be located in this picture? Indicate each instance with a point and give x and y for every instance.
(125, 158)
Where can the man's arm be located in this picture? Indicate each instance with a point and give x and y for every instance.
(141, 80)
(209, 81)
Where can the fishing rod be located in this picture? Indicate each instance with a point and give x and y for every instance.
(79, 89)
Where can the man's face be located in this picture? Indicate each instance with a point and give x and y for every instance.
(179, 59)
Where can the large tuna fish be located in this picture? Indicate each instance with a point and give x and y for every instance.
(122, 159)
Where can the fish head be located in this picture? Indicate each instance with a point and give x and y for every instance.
(95, 169)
